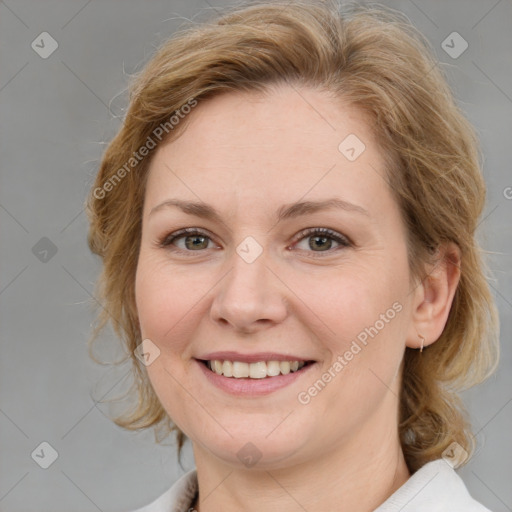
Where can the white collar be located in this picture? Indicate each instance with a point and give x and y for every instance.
(436, 487)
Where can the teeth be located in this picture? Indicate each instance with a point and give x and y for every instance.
(217, 367)
(285, 367)
(240, 370)
(259, 370)
(227, 369)
(273, 368)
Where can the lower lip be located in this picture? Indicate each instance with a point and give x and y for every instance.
(252, 387)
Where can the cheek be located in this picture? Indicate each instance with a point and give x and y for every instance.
(346, 302)
(167, 300)
(362, 333)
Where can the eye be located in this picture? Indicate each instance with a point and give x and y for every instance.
(321, 240)
(193, 239)
(315, 240)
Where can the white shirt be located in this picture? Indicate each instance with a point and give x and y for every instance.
(435, 487)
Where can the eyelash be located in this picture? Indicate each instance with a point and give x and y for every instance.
(167, 240)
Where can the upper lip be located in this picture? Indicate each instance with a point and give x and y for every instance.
(250, 358)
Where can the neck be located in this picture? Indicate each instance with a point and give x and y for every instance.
(357, 477)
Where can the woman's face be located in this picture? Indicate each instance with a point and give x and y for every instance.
(299, 256)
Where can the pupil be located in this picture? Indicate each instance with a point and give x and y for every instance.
(319, 242)
(197, 241)
(323, 240)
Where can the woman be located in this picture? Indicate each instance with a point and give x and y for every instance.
(286, 221)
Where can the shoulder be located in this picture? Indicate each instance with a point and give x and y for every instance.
(178, 498)
(436, 487)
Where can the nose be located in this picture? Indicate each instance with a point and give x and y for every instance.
(250, 298)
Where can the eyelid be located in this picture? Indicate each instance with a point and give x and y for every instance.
(339, 238)
(167, 239)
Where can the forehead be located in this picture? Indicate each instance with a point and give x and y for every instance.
(275, 147)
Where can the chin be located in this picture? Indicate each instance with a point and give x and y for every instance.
(267, 446)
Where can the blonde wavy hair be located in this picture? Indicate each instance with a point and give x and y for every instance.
(373, 57)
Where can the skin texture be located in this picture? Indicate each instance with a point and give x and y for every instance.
(247, 155)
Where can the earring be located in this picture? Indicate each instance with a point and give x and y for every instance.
(422, 342)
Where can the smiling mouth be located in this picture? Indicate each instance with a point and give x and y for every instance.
(258, 370)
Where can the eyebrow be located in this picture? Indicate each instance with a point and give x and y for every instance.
(287, 211)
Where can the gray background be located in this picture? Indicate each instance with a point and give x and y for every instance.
(55, 121)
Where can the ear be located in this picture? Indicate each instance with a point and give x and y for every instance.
(433, 297)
